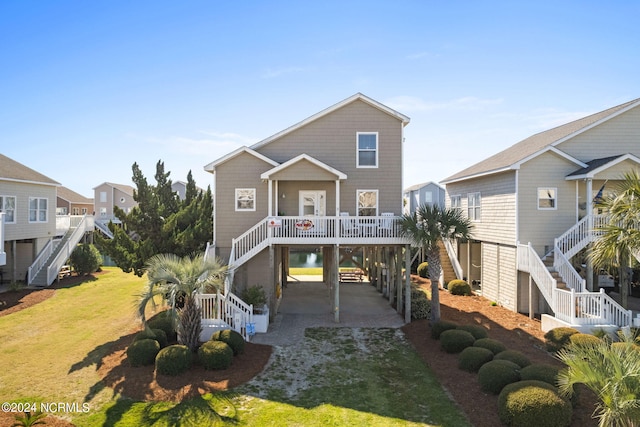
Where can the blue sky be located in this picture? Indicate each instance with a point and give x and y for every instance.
(88, 88)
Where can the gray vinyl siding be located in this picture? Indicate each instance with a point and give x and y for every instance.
(22, 228)
(332, 140)
(498, 206)
(540, 227)
(619, 135)
(499, 274)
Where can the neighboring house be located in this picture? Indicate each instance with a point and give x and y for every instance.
(71, 203)
(27, 199)
(428, 193)
(330, 183)
(107, 195)
(180, 188)
(534, 200)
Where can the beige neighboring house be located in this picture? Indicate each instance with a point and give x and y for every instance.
(71, 203)
(331, 183)
(534, 200)
(27, 199)
(107, 195)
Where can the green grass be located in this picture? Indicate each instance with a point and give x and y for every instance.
(356, 377)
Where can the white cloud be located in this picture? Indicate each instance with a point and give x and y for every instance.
(412, 103)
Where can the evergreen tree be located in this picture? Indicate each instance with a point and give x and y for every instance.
(161, 223)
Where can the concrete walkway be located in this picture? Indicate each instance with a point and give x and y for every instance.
(309, 304)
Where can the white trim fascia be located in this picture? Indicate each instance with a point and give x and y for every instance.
(553, 150)
(604, 167)
(358, 96)
(303, 156)
(594, 124)
(24, 181)
(517, 207)
(211, 167)
(478, 175)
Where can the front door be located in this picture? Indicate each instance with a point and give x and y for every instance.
(313, 202)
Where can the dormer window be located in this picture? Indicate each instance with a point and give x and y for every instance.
(367, 150)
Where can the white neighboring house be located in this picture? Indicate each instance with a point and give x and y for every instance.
(534, 200)
(428, 193)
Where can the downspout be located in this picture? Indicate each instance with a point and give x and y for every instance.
(213, 202)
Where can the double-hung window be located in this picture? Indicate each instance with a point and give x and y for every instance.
(547, 198)
(456, 202)
(367, 150)
(367, 202)
(245, 199)
(37, 209)
(8, 206)
(473, 206)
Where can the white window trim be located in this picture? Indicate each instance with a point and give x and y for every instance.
(38, 210)
(15, 207)
(457, 197)
(358, 200)
(255, 197)
(555, 199)
(473, 217)
(377, 150)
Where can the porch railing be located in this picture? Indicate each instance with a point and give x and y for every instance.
(590, 308)
(227, 308)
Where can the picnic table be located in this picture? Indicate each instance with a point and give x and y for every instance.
(351, 275)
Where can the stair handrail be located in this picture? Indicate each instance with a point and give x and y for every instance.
(566, 270)
(457, 268)
(538, 272)
(61, 256)
(229, 309)
(40, 261)
(104, 229)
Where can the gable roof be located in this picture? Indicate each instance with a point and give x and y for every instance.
(538, 143)
(10, 170)
(419, 186)
(72, 197)
(598, 165)
(211, 167)
(303, 157)
(357, 97)
(122, 187)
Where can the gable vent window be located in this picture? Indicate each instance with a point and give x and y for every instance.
(367, 155)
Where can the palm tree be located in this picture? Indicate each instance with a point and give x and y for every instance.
(177, 280)
(612, 372)
(426, 227)
(619, 239)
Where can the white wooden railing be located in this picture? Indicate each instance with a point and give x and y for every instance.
(41, 259)
(68, 245)
(530, 262)
(590, 308)
(569, 274)
(227, 308)
(457, 268)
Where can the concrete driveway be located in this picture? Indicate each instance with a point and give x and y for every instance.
(308, 304)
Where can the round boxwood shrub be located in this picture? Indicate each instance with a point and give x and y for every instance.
(557, 338)
(514, 356)
(215, 355)
(232, 338)
(490, 344)
(477, 331)
(423, 270)
(472, 358)
(143, 352)
(437, 328)
(494, 375)
(420, 305)
(173, 360)
(85, 259)
(584, 340)
(533, 403)
(459, 287)
(540, 372)
(154, 334)
(456, 340)
(163, 321)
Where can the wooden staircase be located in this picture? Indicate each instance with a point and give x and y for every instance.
(447, 268)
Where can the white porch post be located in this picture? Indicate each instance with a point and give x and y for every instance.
(337, 197)
(270, 205)
(276, 208)
(407, 284)
(589, 199)
(336, 280)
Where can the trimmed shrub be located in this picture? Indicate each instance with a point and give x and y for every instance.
(557, 338)
(540, 372)
(494, 375)
(472, 358)
(459, 287)
(420, 305)
(143, 352)
(490, 344)
(455, 340)
(533, 403)
(232, 338)
(476, 330)
(437, 328)
(423, 270)
(173, 360)
(215, 355)
(154, 334)
(85, 259)
(514, 356)
(584, 340)
(164, 321)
